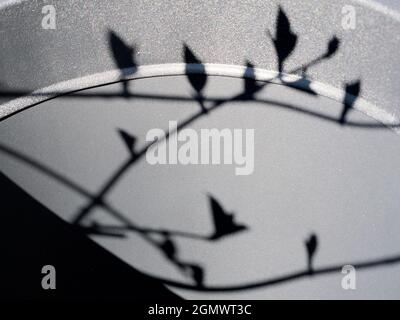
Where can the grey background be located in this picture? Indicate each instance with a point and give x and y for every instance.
(310, 176)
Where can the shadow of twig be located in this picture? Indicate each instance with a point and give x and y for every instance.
(284, 42)
(131, 227)
(289, 277)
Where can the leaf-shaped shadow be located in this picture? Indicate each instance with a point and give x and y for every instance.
(196, 273)
(197, 78)
(311, 245)
(352, 92)
(285, 39)
(124, 57)
(129, 141)
(170, 251)
(331, 50)
(123, 54)
(333, 46)
(167, 246)
(223, 221)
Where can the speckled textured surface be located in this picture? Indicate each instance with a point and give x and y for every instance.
(32, 58)
(311, 175)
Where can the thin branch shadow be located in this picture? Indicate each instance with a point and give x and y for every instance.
(246, 97)
(284, 41)
(289, 277)
(114, 231)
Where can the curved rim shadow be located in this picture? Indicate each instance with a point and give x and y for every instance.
(284, 41)
(27, 100)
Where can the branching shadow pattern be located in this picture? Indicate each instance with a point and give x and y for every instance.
(225, 225)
